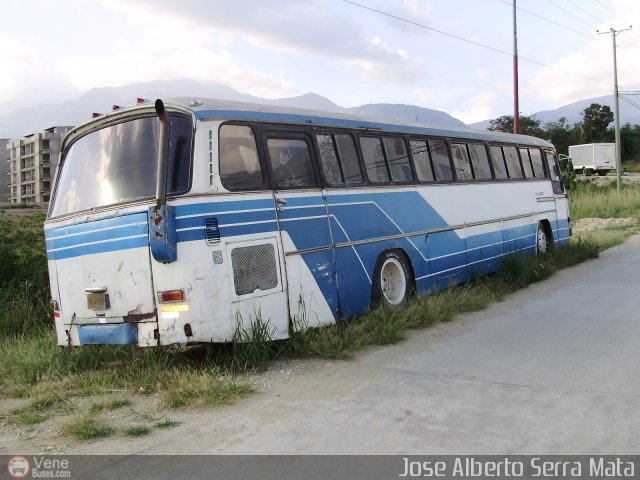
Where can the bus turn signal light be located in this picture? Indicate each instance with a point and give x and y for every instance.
(171, 296)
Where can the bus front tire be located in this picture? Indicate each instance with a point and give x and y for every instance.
(393, 279)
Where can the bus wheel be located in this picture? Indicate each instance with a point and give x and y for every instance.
(392, 281)
(542, 240)
(602, 173)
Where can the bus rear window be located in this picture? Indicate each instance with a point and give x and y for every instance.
(117, 164)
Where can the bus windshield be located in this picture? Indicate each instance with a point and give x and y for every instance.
(117, 164)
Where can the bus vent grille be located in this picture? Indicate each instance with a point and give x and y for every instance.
(212, 231)
(254, 268)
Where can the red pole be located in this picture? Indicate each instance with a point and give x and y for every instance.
(516, 109)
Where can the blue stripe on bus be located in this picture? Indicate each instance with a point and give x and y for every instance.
(363, 216)
(108, 246)
(227, 218)
(236, 230)
(92, 225)
(391, 205)
(215, 208)
(98, 235)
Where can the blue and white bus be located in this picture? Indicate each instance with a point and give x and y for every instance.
(187, 222)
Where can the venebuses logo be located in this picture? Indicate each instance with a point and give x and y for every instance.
(18, 467)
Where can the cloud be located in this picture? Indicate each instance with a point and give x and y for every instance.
(26, 76)
(388, 65)
(591, 65)
(481, 106)
(417, 7)
(309, 27)
(126, 67)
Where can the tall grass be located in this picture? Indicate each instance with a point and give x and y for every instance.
(588, 201)
(387, 326)
(32, 364)
(24, 290)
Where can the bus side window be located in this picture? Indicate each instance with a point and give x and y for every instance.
(398, 159)
(329, 160)
(339, 159)
(497, 159)
(349, 159)
(291, 162)
(513, 161)
(441, 161)
(526, 162)
(480, 161)
(239, 163)
(536, 161)
(421, 161)
(374, 159)
(461, 161)
(554, 171)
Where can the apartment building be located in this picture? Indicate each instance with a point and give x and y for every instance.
(32, 164)
(5, 179)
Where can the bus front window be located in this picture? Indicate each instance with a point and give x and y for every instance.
(117, 164)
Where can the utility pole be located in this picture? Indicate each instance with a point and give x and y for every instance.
(516, 102)
(616, 97)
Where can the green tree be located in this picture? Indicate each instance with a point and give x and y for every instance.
(630, 142)
(529, 125)
(595, 122)
(561, 134)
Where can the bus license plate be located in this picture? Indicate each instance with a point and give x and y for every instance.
(97, 301)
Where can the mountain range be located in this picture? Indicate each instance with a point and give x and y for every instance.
(573, 112)
(16, 122)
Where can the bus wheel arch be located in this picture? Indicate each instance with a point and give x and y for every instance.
(393, 279)
(544, 237)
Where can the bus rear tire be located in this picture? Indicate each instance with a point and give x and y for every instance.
(393, 279)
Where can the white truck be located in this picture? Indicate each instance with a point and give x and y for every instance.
(593, 158)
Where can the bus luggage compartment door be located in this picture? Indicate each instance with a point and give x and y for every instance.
(104, 277)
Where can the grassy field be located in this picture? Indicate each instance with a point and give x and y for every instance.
(589, 200)
(77, 390)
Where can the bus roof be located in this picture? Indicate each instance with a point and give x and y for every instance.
(206, 109)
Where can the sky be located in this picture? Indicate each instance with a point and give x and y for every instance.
(352, 52)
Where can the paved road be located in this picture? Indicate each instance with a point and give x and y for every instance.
(554, 369)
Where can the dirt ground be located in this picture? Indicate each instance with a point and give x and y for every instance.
(598, 180)
(10, 211)
(281, 380)
(588, 224)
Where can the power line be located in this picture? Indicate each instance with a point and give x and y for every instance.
(466, 40)
(570, 13)
(630, 102)
(580, 8)
(548, 20)
(609, 10)
(626, 40)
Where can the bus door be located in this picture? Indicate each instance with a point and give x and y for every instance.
(105, 286)
(562, 227)
(304, 229)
